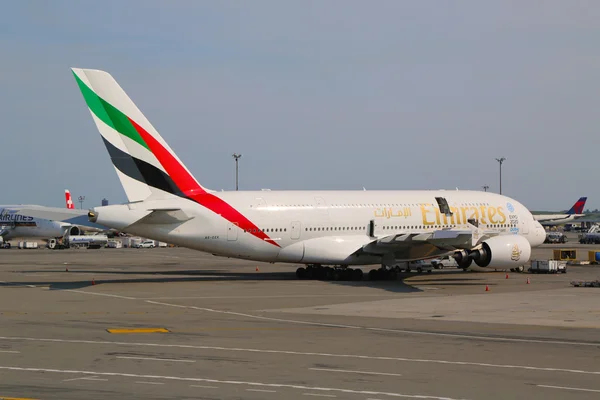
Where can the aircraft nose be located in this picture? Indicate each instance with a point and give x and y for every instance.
(540, 234)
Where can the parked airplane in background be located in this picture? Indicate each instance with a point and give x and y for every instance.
(316, 228)
(562, 218)
(18, 222)
(33, 221)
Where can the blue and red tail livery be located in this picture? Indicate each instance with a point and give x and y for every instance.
(578, 206)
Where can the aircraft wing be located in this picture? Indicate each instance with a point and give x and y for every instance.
(418, 246)
(72, 216)
(51, 213)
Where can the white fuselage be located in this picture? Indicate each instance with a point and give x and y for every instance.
(23, 226)
(556, 219)
(312, 226)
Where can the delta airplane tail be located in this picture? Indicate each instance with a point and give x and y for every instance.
(578, 206)
(144, 162)
(69, 200)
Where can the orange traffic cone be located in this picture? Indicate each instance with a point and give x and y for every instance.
(93, 281)
(528, 282)
(487, 288)
(506, 276)
(67, 269)
(256, 268)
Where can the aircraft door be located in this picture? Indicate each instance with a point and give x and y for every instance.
(296, 229)
(232, 231)
(524, 225)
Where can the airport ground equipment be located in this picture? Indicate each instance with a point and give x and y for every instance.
(586, 283)
(78, 241)
(594, 256)
(27, 245)
(592, 236)
(555, 237)
(548, 267)
(565, 254)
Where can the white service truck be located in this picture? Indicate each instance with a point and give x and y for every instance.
(548, 267)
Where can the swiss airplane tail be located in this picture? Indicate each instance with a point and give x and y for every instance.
(578, 206)
(144, 162)
(69, 200)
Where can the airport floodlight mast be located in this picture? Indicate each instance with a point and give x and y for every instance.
(501, 160)
(236, 157)
(485, 187)
(81, 200)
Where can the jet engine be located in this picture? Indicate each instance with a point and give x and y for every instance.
(71, 230)
(74, 231)
(505, 251)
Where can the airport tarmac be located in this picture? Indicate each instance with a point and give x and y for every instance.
(227, 331)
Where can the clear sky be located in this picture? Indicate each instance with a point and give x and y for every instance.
(314, 94)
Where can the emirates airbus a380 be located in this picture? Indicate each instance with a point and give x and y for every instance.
(316, 228)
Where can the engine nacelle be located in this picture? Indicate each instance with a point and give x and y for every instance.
(74, 231)
(463, 259)
(506, 251)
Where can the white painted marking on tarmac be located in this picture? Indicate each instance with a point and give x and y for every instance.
(300, 353)
(155, 359)
(10, 351)
(85, 378)
(100, 294)
(261, 390)
(208, 380)
(255, 316)
(318, 395)
(491, 338)
(204, 386)
(569, 388)
(354, 372)
(402, 331)
(149, 383)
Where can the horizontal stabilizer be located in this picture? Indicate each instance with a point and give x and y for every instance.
(164, 216)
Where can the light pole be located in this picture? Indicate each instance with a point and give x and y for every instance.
(485, 187)
(236, 157)
(501, 160)
(81, 199)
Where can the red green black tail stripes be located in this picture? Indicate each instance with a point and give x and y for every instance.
(175, 178)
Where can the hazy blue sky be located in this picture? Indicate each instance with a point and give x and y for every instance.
(314, 94)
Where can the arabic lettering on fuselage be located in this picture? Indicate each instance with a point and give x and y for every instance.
(393, 213)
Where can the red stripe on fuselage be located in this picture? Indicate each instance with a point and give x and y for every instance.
(192, 190)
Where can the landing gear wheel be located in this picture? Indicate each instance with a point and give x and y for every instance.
(329, 273)
(357, 275)
(373, 275)
(301, 273)
(338, 275)
(520, 268)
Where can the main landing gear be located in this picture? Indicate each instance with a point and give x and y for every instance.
(337, 273)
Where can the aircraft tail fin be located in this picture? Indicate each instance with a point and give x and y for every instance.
(69, 200)
(578, 206)
(144, 162)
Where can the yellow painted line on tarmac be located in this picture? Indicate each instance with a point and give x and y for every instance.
(138, 330)
(16, 398)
